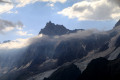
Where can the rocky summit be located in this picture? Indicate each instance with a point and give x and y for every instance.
(52, 29)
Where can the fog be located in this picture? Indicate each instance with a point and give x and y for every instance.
(19, 44)
(11, 52)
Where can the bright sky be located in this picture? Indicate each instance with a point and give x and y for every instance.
(25, 18)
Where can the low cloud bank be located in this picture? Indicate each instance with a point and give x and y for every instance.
(22, 43)
(13, 51)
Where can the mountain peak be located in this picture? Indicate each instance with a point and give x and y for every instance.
(52, 29)
(50, 24)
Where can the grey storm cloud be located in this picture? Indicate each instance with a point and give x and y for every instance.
(8, 25)
(117, 2)
(3, 1)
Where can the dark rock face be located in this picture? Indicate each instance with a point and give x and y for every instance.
(69, 72)
(102, 69)
(96, 70)
(72, 49)
(117, 24)
(51, 29)
(117, 44)
(104, 47)
(68, 51)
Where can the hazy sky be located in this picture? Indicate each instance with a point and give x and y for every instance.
(25, 18)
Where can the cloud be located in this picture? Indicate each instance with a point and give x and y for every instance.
(50, 4)
(22, 3)
(16, 44)
(24, 33)
(116, 2)
(5, 7)
(3, 1)
(93, 10)
(21, 43)
(6, 26)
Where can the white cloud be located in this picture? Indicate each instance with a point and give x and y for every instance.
(18, 43)
(22, 3)
(50, 4)
(93, 10)
(5, 7)
(21, 43)
(24, 33)
(7, 29)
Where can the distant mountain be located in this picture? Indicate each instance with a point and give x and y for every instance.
(51, 29)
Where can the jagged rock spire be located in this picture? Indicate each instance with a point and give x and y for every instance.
(52, 29)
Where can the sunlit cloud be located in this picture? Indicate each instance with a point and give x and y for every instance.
(8, 5)
(22, 3)
(6, 8)
(24, 33)
(18, 43)
(22, 43)
(93, 10)
(7, 29)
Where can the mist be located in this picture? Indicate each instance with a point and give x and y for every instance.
(18, 44)
(12, 52)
